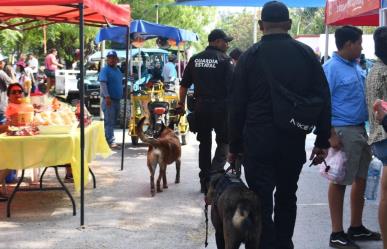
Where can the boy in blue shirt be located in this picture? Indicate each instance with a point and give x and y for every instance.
(349, 114)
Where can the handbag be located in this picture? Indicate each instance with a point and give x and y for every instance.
(335, 169)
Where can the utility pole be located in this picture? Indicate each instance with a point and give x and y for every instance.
(157, 12)
(45, 39)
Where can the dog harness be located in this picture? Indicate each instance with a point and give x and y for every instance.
(226, 181)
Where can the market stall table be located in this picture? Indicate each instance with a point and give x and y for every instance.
(26, 152)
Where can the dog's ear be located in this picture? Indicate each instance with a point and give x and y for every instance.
(214, 178)
(213, 181)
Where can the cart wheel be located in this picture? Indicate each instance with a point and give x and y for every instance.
(184, 139)
(134, 140)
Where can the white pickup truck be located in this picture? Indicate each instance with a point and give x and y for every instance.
(66, 81)
(66, 88)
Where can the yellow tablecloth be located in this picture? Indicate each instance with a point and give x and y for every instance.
(49, 150)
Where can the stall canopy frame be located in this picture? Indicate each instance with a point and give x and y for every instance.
(69, 11)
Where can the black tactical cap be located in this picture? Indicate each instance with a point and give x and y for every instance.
(274, 11)
(219, 34)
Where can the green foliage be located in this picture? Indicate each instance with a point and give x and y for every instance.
(241, 27)
(307, 21)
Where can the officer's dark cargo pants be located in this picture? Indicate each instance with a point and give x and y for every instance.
(209, 120)
(274, 160)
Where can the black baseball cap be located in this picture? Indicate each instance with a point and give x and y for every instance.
(219, 34)
(275, 11)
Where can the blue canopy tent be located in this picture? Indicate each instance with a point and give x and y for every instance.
(145, 30)
(251, 3)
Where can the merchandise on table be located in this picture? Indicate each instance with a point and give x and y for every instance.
(44, 117)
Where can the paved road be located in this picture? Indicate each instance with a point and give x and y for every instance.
(121, 214)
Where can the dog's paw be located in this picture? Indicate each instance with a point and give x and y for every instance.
(177, 181)
(159, 190)
(165, 186)
(153, 192)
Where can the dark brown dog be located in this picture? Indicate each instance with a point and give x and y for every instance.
(235, 213)
(162, 151)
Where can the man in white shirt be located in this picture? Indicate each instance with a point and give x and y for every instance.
(169, 73)
(33, 64)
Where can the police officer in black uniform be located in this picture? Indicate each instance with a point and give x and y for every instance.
(210, 71)
(273, 157)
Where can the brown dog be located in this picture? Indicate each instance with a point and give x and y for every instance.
(163, 150)
(235, 212)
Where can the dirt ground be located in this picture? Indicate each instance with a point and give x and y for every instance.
(120, 213)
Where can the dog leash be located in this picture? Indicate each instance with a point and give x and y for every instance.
(206, 215)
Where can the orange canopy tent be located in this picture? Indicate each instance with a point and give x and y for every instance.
(96, 12)
(89, 12)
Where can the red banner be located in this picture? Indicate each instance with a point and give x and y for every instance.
(341, 12)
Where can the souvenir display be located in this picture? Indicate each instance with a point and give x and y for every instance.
(44, 116)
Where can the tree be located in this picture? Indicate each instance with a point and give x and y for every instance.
(240, 26)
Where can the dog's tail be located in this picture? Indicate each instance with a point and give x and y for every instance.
(242, 217)
(140, 133)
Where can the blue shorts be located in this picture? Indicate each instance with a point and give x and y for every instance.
(379, 149)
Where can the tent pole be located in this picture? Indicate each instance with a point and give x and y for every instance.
(125, 93)
(326, 43)
(178, 63)
(101, 65)
(82, 110)
(44, 39)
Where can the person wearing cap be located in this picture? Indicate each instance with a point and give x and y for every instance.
(169, 70)
(273, 156)
(110, 79)
(209, 72)
(5, 80)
